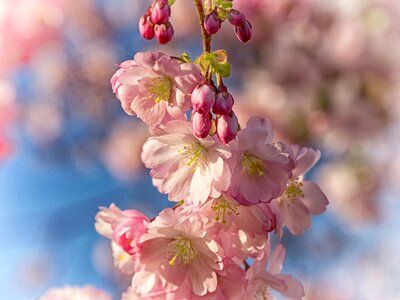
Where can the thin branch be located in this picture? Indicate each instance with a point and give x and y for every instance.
(204, 35)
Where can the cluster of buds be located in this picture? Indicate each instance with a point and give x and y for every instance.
(243, 29)
(155, 22)
(207, 101)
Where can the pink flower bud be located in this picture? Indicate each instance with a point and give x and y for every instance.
(164, 32)
(223, 103)
(236, 18)
(160, 12)
(212, 23)
(244, 32)
(201, 124)
(227, 126)
(129, 229)
(203, 98)
(146, 27)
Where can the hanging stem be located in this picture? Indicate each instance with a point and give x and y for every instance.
(204, 35)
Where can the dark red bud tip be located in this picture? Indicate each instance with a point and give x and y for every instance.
(164, 32)
(146, 28)
(212, 23)
(160, 12)
(201, 124)
(227, 127)
(244, 32)
(236, 18)
(203, 98)
(223, 103)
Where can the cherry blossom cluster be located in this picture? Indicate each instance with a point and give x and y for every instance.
(233, 187)
(155, 22)
(230, 194)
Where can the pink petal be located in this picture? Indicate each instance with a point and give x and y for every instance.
(314, 198)
(295, 216)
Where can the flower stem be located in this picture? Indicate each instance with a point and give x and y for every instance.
(204, 35)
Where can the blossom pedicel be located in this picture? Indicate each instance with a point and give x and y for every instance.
(233, 187)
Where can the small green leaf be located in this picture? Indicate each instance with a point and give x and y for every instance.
(185, 57)
(223, 69)
(171, 2)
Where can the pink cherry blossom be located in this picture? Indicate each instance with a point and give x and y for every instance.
(185, 166)
(233, 217)
(128, 231)
(75, 293)
(232, 284)
(260, 169)
(301, 199)
(124, 227)
(262, 278)
(174, 249)
(155, 87)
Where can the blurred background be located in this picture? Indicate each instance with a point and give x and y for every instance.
(325, 72)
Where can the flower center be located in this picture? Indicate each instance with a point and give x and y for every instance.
(161, 88)
(223, 208)
(253, 165)
(193, 156)
(293, 191)
(182, 251)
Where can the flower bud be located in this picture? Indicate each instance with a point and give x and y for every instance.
(227, 127)
(236, 18)
(160, 12)
(146, 27)
(223, 103)
(129, 229)
(212, 23)
(201, 124)
(203, 98)
(164, 32)
(244, 32)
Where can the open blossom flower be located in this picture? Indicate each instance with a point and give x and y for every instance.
(75, 293)
(260, 170)
(301, 199)
(232, 284)
(262, 278)
(185, 166)
(155, 87)
(233, 217)
(174, 249)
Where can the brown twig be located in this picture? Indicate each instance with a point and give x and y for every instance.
(204, 35)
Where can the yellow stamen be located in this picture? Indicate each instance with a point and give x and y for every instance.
(161, 89)
(223, 208)
(193, 156)
(253, 165)
(182, 251)
(293, 191)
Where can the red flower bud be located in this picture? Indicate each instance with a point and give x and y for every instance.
(227, 126)
(164, 32)
(203, 98)
(236, 18)
(146, 28)
(212, 23)
(160, 12)
(201, 124)
(223, 103)
(244, 32)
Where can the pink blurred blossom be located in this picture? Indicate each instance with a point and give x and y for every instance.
(75, 293)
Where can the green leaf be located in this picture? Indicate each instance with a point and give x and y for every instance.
(185, 57)
(215, 61)
(223, 69)
(171, 2)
